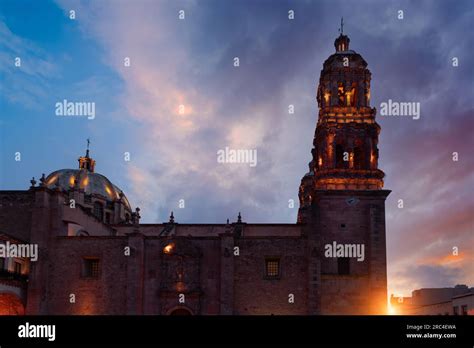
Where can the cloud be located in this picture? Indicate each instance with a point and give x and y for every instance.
(179, 150)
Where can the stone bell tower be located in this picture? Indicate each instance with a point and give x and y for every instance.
(341, 197)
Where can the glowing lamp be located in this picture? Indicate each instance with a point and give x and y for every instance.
(168, 249)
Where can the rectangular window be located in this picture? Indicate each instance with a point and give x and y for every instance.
(464, 309)
(90, 268)
(455, 310)
(272, 268)
(17, 267)
(343, 265)
(2, 263)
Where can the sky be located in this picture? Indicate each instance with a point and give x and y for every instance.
(190, 63)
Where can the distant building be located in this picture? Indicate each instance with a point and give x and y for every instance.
(464, 304)
(436, 301)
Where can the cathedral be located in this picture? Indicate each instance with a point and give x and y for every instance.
(95, 257)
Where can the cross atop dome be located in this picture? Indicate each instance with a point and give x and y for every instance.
(88, 143)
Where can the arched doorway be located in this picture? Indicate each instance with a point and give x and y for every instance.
(10, 304)
(180, 311)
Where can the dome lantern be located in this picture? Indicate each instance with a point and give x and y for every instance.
(342, 42)
(85, 162)
(91, 189)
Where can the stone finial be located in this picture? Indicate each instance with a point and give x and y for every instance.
(171, 218)
(43, 180)
(136, 216)
(33, 182)
(228, 228)
(239, 218)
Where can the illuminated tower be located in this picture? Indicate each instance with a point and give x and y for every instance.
(341, 197)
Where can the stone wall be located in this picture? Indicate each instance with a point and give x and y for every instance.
(104, 295)
(353, 217)
(253, 293)
(15, 213)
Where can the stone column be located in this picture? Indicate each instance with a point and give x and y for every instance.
(378, 259)
(331, 151)
(39, 270)
(135, 273)
(314, 262)
(117, 212)
(370, 154)
(227, 273)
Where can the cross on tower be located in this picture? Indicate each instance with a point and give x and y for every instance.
(341, 29)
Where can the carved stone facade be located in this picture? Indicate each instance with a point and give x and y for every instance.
(345, 153)
(93, 263)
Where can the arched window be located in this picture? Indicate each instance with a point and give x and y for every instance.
(339, 156)
(358, 158)
(99, 211)
(341, 95)
(352, 95)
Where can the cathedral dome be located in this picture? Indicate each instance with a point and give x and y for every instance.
(92, 184)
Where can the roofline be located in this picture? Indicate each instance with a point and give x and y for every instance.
(213, 224)
(14, 191)
(471, 293)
